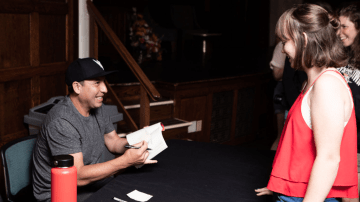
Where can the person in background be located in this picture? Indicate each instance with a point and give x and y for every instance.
(316, 155)
(349, 34)
(287, 89)
(277, 64)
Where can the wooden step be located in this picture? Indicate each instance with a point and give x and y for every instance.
(172, 126)
(135, 104)
(172, 123)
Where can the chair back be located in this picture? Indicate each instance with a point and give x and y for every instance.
(16, 159)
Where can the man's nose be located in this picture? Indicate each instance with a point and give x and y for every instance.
(103, 88)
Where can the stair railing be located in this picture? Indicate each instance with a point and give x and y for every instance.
(147, 89)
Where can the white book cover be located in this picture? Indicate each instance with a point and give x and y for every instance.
(153, 136)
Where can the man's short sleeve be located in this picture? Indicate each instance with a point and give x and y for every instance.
(109, 127)
(63, 138)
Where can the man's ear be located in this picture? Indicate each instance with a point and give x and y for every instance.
(77, 87)
(305, 38)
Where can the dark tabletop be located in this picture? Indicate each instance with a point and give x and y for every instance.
(195, 171)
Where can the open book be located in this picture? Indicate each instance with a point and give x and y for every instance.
(153, 136)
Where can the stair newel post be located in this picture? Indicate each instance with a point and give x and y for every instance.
(144, 108)
(94, 38)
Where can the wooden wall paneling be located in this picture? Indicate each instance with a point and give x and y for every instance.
(35, 91)
(156, 113)
(127, 93)
(207, 121)
(15, 43)
(70, 30)
(160, 112)
(245, 117)
(20, 73)
(221, 116)
(244, 102)
(2, 133)
(36, 32)
(200, 115)
(194, 109)
(26, 7)
(34, 58)
(52, 34)
(17, 103)
(116, 18)
(34, 39)
(2, 111)
(177, 104)
(54, 1)
(52, 86)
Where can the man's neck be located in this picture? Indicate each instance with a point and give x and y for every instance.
(81, 109)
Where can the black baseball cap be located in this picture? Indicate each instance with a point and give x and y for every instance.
(84, 69)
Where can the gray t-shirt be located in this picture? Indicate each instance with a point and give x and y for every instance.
(66, 131)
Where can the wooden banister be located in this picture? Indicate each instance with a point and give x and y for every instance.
(127, 117)
(124, 53)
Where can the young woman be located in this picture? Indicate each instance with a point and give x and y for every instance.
(316, 156)
(349, 34)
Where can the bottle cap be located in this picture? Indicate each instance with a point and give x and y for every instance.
(62, 161)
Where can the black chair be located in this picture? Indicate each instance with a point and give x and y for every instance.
(16, 159)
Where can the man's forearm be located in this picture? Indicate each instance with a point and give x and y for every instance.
(119, 145)
(91, 173)
(114, 143)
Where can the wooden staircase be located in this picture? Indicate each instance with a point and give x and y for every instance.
(161, 110)
(140, 103)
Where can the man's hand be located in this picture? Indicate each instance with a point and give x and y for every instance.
(138, 156)
(263, 191)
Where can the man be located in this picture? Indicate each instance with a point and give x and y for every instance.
(78, 126)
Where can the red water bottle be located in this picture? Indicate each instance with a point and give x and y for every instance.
(63, 179)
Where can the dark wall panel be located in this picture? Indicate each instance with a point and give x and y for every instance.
(36, 47)
(54, 1)
(222, 104)
(52, 38)
(194, 109)
(15, 40)
(16, 104)
(52, 86)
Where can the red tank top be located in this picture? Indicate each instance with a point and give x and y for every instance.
(296, 154)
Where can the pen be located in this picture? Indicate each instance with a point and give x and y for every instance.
(133, 147)
(117, 199)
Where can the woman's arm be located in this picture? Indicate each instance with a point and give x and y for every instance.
(329, 100)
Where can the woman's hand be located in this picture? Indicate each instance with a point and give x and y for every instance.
(263, 191)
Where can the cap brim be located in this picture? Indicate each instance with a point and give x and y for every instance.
(101, 74)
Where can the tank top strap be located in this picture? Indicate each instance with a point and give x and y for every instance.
(328, 70)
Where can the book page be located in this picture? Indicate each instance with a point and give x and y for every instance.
(156, 143)
(153, 136)
(137, 136)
